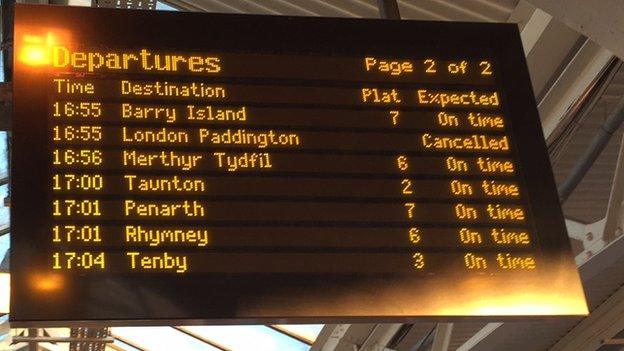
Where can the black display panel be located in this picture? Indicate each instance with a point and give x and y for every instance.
(208, 168)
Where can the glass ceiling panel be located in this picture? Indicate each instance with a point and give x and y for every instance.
(248, 338)
(305, 331)
(164, 7)
(160, 339)
(5, 342)
(120, 345)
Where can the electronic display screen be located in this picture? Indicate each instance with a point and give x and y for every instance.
(209, 168)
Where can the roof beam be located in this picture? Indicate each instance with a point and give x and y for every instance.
(521, 14)
(479, 336)
(379, 337)
(442, 337)
(533, 29)
(531, 22)
(359, 337)
(330, 337)
(607, 257)
(613, 342)
(614, 217)
(598, 235)
(583, 69)
(602, 324)
(602, 21)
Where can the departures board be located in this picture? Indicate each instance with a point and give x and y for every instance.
(211, 168)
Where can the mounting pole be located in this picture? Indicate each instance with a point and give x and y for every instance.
(33, 333)
(592, 151)
(388, 9)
